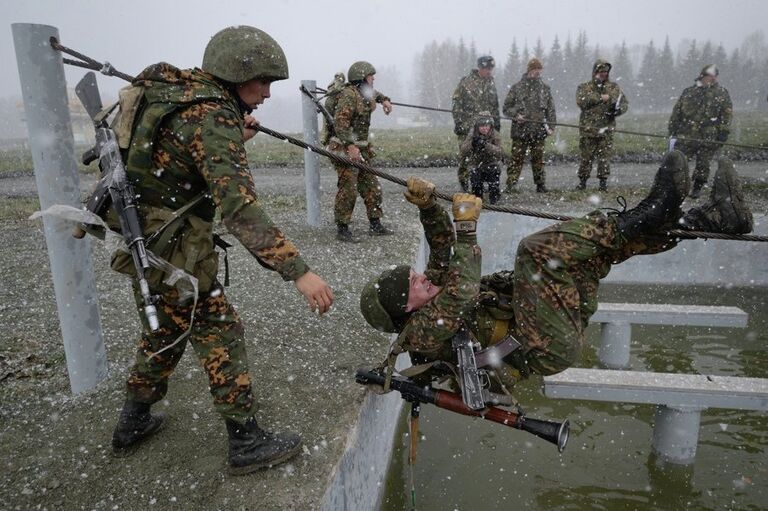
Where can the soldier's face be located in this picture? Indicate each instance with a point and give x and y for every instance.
(485, 72)
(369, 79)
(601, 76)
(254, 92)
(534, 73)
(484, 129)
(420, 291)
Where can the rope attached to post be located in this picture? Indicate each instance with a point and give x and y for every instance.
(107, 69)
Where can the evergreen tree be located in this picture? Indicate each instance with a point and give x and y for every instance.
(554, 75)
(512, 67)
(648, 78)
(622, 73)
(538, 51)
(668, 92)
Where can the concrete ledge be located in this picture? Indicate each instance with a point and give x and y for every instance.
(677, 390)
(664, 314)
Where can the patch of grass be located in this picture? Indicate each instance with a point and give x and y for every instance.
(18, 208)
(19, 161)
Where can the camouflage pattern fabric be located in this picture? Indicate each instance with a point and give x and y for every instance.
(352, 118)
(473, 94)
(553, 291)
(705, 113)
(517, 159)
(532, 98)
(598, 118)
(595, 148)
(217, 338)
(477, 149)
(187, 140)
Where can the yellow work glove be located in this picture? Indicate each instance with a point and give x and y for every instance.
(466, 211)
(420, 192)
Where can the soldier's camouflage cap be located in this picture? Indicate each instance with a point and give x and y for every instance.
(485, 62)
(484, 119)
(241, 53)
(384, 298)
(601, 65)
(709, 70)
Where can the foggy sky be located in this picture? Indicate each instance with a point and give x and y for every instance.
(320, 38)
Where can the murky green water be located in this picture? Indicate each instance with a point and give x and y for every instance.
(469, 464)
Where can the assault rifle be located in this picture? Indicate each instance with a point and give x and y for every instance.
(469, 375)
(321, 110)
(553, 432)
(114, 190)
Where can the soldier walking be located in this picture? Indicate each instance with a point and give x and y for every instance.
(529, 102)
(475, 93)
(186, 159)
(703, 112)
(600, 101)
(352, 110)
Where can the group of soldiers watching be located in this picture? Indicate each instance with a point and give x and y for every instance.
(701, 119)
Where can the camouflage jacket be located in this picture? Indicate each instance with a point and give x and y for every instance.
(473, 95)
(187, 140)
(532, 98)
(702, 112)
(352, 115)
(598, 118)
(454, 265)
(481, 150)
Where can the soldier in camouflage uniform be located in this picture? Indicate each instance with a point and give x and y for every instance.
(482, 152)
(546, 303)
(475, 93)
(529, 102)
(352, 121)
(703, 112)
(601, 101)
(187, 148)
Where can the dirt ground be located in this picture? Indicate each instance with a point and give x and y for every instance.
(55, 448)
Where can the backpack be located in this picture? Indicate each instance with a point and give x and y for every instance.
(331, 99)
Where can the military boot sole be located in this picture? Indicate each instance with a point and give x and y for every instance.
(123, 451)
(727, 181)
(261, 465)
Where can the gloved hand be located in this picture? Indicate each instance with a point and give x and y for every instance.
(420, 192)
(466, 211)
(478, 143)
(722, 136)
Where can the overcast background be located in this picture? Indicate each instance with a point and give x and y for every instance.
(320, 38)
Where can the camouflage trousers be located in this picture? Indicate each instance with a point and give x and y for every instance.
(217, 338)
(463, 172)
(595, 148)
(486, 173)
(517, 158)
(352, 182)
(557, 274)
(703, 153)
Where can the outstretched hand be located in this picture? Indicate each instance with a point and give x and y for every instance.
(318, 294)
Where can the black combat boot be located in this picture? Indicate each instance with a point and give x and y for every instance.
(252, 448)
(343, 233)
(603, 187)
(541, 188)
(464, 185)
(582, 184)
(377, 229)
(662, 204)
(696, 190)
(134, 426)
(726, 211)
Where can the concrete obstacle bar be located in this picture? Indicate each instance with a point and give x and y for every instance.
(680, 399)
(617, 320)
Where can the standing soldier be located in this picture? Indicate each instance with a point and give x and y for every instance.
(475, 93)
(529, 102)
(352, 121)
(601, 101)
(186, 159)
(482, 151)
(703, 112)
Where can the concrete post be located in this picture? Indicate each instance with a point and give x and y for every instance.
(614, 345)
(311, 160)
(676, 433)
(44, 91)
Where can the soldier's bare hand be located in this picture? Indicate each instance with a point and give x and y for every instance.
(420, 192)
(318, 294)
(520, 117)
(250, 124)
(605, 98)
(387, 107)
(353, 153)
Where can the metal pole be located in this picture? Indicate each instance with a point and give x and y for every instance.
(614, 350)
(44, 91)
(311, 160)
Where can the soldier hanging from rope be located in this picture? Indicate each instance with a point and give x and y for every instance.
(536, 314)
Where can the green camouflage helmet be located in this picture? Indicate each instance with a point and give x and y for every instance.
(384, 298)
(484, 118)
(241, 53)
(359, 70)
